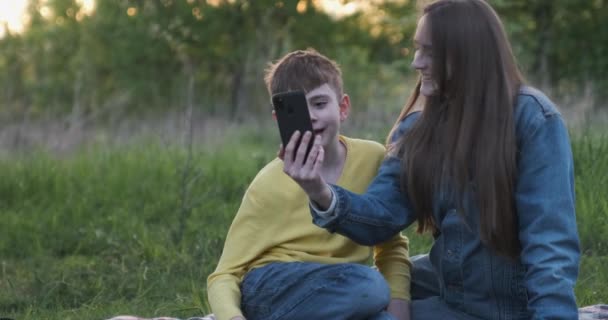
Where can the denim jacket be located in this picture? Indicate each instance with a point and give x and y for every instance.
(473, 279)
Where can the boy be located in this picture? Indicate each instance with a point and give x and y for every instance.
(276, 264)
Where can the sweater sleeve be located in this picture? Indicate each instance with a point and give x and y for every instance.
(391, 259)
(244, 243)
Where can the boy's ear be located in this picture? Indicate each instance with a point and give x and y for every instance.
(274, 115)
(344, 107)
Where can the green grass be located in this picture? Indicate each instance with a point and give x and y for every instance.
(103, 232)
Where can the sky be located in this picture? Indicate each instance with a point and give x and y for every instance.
(11, 11)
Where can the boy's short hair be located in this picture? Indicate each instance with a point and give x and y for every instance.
(303, 70)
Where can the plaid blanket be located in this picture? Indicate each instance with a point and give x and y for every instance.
(594, 312)
(207, 317)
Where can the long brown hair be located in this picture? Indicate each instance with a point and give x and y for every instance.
(465, 136)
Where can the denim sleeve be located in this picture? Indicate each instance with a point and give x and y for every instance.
(547, 225)
(381, 212)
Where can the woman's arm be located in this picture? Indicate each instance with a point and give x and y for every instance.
(368, 219)
(545, 205)
(375, 216)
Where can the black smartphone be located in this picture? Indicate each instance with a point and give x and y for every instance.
(292, 114)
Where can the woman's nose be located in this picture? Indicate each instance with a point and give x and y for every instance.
(417, 62)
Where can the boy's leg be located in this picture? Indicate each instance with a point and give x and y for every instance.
(424, 279)
(299, 290)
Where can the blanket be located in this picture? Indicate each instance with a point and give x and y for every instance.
(594, 312)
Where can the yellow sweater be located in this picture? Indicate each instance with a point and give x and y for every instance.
(274, 224)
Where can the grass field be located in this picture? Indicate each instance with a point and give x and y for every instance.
(136, 229)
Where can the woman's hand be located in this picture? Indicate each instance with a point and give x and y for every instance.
(306, 171)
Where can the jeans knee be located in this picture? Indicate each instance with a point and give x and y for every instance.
(371, 292)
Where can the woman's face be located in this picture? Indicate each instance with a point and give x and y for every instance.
(423, 58)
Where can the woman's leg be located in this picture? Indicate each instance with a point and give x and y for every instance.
(384, 315)
(424, 279)
(314, 291)
(435, 308)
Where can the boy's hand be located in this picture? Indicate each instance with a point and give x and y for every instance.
(400, 309)
(306, 172)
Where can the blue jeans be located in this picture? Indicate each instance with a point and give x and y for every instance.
(426, 303)
(302, 290)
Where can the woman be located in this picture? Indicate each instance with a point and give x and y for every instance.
(486, 167)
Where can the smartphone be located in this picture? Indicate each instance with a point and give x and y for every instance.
(292, 114)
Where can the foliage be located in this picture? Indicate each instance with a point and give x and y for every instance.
(136, 56)
(144, 51)
(590, 152)
(562, 43)
(88, 236)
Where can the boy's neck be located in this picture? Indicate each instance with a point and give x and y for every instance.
(333, 162)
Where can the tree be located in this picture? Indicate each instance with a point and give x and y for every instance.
(563, 43)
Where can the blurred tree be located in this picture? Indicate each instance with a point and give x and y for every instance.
(138, 55)
(562, 43)
(11, 74)
(51, 38)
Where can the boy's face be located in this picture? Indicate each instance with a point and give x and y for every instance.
(326, 113)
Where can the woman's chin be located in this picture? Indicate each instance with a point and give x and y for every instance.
(427, 91)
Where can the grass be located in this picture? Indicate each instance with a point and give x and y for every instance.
(111, 231)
